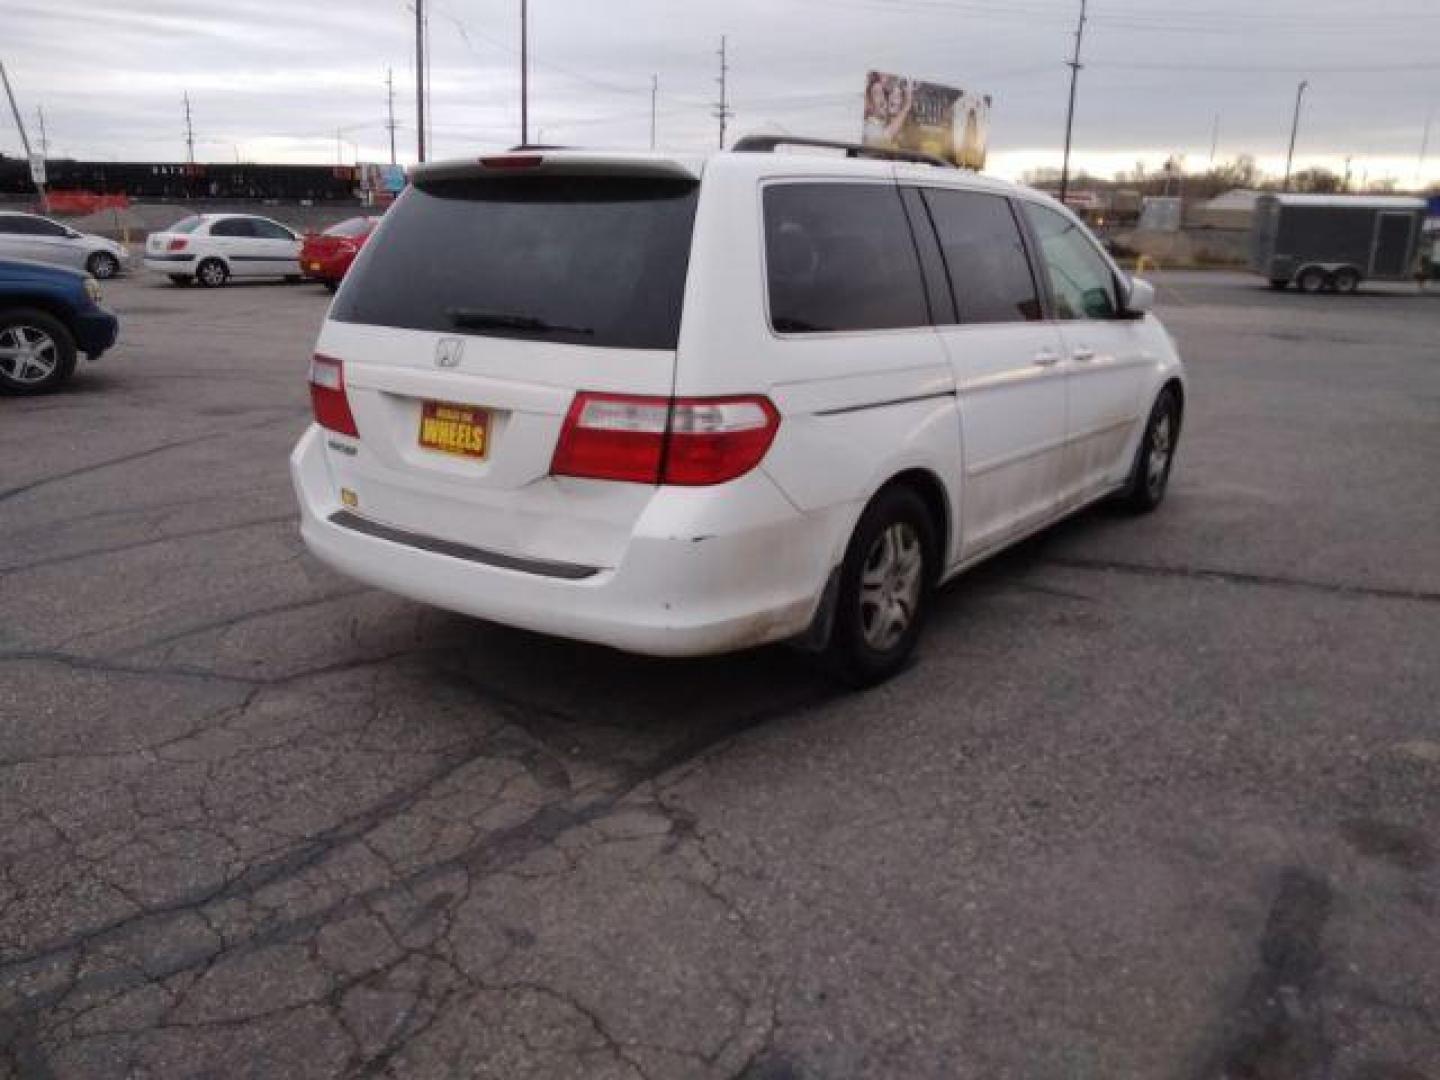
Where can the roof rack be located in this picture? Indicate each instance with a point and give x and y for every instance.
(765, 144)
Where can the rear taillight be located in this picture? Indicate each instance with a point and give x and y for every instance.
(327, 395)
(655, 440)
(177, 244)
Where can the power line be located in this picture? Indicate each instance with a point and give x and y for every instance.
(44, 139)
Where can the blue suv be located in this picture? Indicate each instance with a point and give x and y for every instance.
(48, 316)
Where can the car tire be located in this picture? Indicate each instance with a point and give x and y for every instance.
(102, 265)
(884, 589)
(212, 273)
(1347, 280)
(1312, 280)
(1155, 456)
(49, 352)
(182, 280)
(330, 286)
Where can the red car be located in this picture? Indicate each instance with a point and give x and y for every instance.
(324, 257)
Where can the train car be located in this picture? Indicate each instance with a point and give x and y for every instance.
(1334, 242)
(174, 181)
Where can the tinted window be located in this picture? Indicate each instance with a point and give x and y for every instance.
(841, 257)
(1081, 281)
(33, 226)
(355, 226)
(270, 230)
(592, 260)
(185, 225)
(984, 256)
(232, 227)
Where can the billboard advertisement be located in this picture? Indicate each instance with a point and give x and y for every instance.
(907, 114)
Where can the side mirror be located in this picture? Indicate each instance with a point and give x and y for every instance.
(1139, 297)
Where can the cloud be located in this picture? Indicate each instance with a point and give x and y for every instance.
(275, 79)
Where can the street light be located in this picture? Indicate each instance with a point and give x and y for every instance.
(1294, 131)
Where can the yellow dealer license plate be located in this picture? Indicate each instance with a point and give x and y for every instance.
(463, 430)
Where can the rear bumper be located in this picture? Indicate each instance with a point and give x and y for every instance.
(171, 264)
(673, 594)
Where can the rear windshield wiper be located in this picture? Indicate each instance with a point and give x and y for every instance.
(475, 319)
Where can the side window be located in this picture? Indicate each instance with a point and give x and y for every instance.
(1080, 279)
(269, 230)
(231, 227)
(841, 257)
(24, 226)
(985, 256)
(42, 227)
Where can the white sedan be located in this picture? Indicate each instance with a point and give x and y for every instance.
(32, 238)
(213, 248)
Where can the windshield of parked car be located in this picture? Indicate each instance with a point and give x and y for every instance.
(592, 260)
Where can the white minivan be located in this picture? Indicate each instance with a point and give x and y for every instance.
(683, 406)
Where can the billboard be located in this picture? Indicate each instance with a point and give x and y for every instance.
(907, 114)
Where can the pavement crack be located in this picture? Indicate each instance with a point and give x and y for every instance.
(117, 549)
(1239, 577)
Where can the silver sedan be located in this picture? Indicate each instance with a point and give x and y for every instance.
(38, 239)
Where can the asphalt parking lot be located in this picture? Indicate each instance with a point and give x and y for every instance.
(1161, 797)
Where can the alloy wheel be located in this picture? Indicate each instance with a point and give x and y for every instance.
(1158, 461)
(890, 585)
(28, 355)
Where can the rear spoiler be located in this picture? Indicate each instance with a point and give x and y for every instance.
(548, 161)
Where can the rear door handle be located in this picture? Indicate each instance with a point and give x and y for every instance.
(1083, 355)
(1047, 358)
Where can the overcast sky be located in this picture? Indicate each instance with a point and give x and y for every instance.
(272, 80)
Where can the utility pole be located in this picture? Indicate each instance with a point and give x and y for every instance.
(723, 111)
(655, 90)
(1345, 183)
(524, 73)
(24, 139)
(189, 132)
(420, 79)
(1294, 131)
(1425, 146)
(1074, 65)
(390, 108)
(1214, 139)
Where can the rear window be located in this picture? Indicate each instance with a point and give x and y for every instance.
(588, 260)
(355, 226)
(841, 257)
(186, 225)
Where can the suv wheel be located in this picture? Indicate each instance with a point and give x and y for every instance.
(211, 273)
(884, 589)
(37, 352)
(1151, 474)
(102, 265)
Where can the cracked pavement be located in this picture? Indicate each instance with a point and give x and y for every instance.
(1161, 797)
